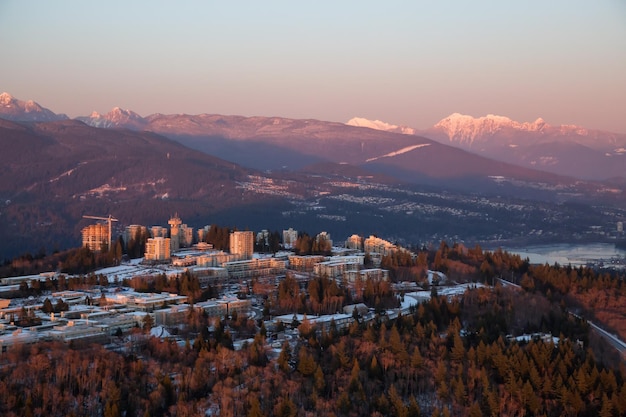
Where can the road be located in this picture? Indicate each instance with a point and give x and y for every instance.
(613, 340)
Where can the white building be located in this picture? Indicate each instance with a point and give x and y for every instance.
(158, 249)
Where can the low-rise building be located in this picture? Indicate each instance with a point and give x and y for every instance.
(215, 258)
(256, 267)
(375, 244)
(18, 336)
(79, 330)
(365, 274)
(304, 263)
(340, 320)
(172, 316)
(144, 301)
(225, 306)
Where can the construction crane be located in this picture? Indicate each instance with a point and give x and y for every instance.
(109, 220)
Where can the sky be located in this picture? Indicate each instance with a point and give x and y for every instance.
(409, 63)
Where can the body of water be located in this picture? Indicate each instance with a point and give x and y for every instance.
(574, 254)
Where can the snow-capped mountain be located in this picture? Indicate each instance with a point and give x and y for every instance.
(25, 111)
(379, 125)
(117, 117)
(562, 149)
(466, 129)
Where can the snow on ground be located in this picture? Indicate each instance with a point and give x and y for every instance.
(159, 331)
(135, 268)
(399, 152)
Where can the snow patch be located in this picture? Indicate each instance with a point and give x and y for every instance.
(399, 152)
(106, 188)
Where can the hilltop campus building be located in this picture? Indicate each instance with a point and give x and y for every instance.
(242, 244)
(95, 236)
(172, 252)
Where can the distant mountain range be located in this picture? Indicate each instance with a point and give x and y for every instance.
(56, 172)
(564, 150)
(272, 143)
(266, 171)
(29, 111)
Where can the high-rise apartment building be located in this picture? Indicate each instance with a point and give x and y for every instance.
(290, 237)
(324, 238)
(158, 231)
(133, 231)
(202, 233)
(175, 223)
(242, 244)
(158, 249)
(186, 236)
(95, 236)
(354, 242)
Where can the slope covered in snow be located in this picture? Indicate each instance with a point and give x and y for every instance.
(399, 152)
(380, 125)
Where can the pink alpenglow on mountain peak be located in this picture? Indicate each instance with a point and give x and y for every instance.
(464, 128)
(14, 109)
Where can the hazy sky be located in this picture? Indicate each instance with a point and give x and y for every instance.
(403, 62)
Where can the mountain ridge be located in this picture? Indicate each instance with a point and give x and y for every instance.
(14, 109)
(568, 150)
(276, 172)
(282, 143)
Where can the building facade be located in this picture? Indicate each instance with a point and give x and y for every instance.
(158, 249)
(354, 242)
(175, 223)
(158, 231)
(95, 236)
(133, 231)
(242, 244)
(375, 244)
(290, 237)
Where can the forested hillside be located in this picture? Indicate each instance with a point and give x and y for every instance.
(448, 357)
